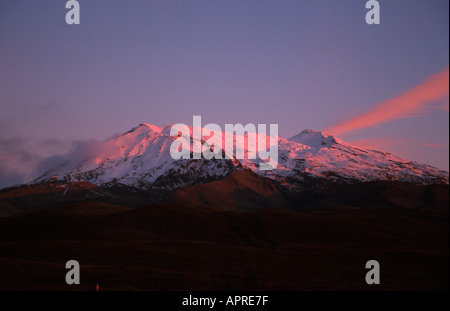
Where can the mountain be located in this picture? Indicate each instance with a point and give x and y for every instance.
(310, 224)
(140, 158)
(318, 155)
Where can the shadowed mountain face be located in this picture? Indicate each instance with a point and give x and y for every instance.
(242, 190)
(40, 196)
(246, 191)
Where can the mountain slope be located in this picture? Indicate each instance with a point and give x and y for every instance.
(141, 158)
(241, 190)
(318, 155)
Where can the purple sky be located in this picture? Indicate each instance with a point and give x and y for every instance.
(300, 64)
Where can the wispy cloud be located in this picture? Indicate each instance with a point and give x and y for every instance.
(79, 151)
(418, 101)
(19, 157)
(436, 145)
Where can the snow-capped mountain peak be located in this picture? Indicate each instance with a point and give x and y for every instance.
(141, 158)
(313, 139)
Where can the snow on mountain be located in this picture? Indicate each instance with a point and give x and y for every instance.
(141, 158)
(324, 156)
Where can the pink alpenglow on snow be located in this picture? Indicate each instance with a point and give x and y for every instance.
(238, 141)
(141, 158)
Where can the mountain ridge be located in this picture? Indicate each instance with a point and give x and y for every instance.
(141, 158)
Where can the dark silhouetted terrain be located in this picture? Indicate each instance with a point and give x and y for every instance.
(322, 245)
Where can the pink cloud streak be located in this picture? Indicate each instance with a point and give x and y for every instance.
(416, 101)
(436, 145)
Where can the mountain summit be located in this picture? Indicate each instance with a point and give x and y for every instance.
(314, 140)
(141, 158)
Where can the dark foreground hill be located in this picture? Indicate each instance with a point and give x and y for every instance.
(169, 246)
(239, 191)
